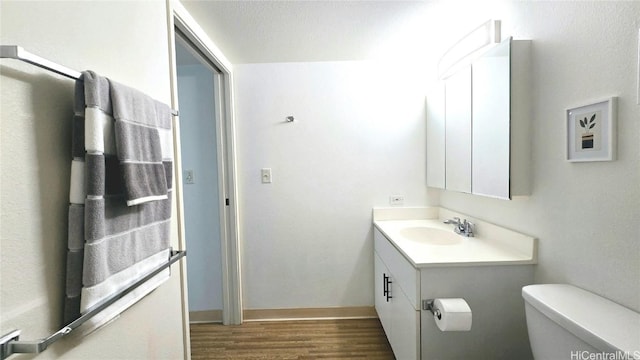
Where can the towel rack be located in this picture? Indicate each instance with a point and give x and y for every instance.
(10, 343)
(19, 53)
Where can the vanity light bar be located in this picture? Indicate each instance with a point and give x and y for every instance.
(469, 47)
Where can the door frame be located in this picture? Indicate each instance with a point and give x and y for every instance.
(179, 18)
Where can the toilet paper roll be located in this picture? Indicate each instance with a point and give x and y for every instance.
(454, 314)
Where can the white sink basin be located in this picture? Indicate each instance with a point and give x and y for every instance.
(431, 236)
(430, 243)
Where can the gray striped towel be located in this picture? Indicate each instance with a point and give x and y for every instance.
(143, 143)
(121, 203)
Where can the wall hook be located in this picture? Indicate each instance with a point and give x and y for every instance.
(290, 118)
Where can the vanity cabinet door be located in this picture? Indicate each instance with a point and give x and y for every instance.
(458, 131)
(406, 275)
(381, 296)
(406, 327)
(401, 322)
(397, 290)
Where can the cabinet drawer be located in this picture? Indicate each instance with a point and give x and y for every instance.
(406, 276)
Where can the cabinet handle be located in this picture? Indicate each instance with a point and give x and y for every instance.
(387, 289)
(384, 284)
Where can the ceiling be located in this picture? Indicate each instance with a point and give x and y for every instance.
(301, 31)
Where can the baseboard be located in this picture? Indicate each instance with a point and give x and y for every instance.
(354, 312)
(206, 316)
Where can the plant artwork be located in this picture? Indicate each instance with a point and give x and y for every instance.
(591, 131)
(587, 125)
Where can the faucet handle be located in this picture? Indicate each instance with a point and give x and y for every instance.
(468, 227)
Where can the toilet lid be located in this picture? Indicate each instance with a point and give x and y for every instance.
(600, 322)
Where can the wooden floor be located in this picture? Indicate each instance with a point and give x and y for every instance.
(301, 339)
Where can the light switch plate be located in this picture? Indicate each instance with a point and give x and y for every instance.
(265, 173)
(189, 177)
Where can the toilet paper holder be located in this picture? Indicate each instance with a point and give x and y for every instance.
(428, 305)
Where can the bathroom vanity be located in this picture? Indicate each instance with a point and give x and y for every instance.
(417, 257)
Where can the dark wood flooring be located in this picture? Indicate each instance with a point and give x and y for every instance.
(300, 339)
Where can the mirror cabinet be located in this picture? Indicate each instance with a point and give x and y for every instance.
(478, 125)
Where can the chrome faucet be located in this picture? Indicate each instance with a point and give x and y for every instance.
(464, 228)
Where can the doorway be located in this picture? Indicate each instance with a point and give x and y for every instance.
(209, 217)
(198, 95)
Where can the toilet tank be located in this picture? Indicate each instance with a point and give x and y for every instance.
(566, 322)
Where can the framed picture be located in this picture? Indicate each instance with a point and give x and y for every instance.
(591, 131)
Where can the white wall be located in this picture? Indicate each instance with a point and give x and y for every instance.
(127, 41)
(584, 214)
(201, 200)
(307, 238)
(358, 138)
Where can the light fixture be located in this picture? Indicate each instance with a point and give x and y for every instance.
(469, 47)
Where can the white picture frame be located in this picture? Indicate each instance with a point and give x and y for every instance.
(591, 131)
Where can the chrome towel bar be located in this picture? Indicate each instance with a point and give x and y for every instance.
(19, 53)
(10, 343)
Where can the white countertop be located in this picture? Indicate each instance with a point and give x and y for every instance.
(493, 246)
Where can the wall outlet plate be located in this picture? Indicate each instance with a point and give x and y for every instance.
(396, 200)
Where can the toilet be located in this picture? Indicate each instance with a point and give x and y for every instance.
(566, 322)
